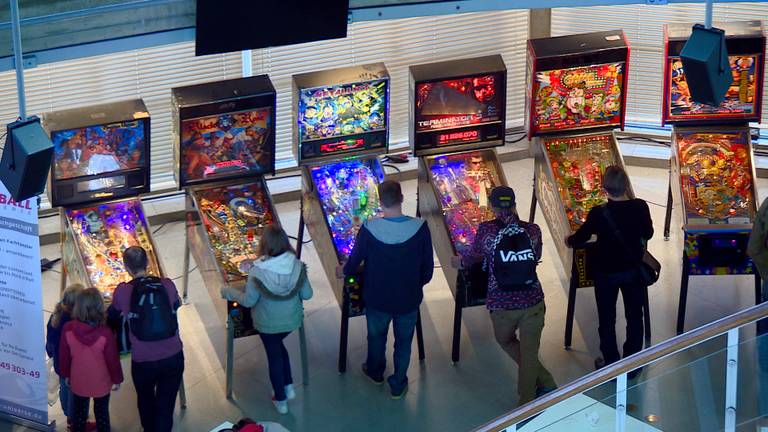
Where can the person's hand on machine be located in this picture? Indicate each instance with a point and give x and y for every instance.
(340, 270)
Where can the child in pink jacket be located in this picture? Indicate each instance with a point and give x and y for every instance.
(89, 360)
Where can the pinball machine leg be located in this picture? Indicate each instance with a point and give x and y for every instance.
(532, 213)
(185, 284)
(419, 336)
(668, 215)
(758, 288)
(182, 395)
(646, 318)
(683, 294)
(344, 334)
(303, 349)
(456, 348)
(300, 234)
(569, 316)
(230, 355)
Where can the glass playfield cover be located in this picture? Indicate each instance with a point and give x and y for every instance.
(578, 164)
(102, 233)
(716, 176)
(348, 194)
(463, 183)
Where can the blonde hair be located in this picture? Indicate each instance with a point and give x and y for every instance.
(67, 303)
(274, 242)
(89, 307)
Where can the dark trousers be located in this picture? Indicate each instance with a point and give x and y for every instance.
(279, 362)
(100, 410)
(403, 325)
(607, 287)
(157, 384)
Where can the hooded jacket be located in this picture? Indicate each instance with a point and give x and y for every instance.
(53, 340)
(275, 290)
(396, 255)
(88, 357)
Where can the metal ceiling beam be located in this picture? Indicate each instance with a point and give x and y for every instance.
(64, 30)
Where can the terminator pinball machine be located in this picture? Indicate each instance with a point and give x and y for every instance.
(341, 127)
(712, 168)
(224, 136)
(457, 117)
(575, 97)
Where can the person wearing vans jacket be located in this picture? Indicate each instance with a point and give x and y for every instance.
(396, 254)
(514, 312)
(157, 367)
(89, 361)
(277, 285)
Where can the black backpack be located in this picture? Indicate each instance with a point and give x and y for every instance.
(514, 260)
(152, 317)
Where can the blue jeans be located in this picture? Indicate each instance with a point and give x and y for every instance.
(403, 326)
(279, 362)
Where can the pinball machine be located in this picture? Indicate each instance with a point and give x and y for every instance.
(101, 166)
(224, 136)
(576, 96)
(457, 118)
(712, 168)
(341, 126)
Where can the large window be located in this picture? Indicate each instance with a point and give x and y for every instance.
(151, 73)
(643, 25)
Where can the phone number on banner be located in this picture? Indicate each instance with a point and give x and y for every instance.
(19, 370)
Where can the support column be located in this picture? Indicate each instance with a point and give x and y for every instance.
(539, 23)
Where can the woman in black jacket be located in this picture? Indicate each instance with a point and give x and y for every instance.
(617, 262)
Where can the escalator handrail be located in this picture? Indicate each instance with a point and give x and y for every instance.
(668, 347)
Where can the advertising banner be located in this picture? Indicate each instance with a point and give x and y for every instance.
(23, 388)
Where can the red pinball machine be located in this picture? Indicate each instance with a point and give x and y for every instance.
(458, 117)
(712, 167)
(575, 99)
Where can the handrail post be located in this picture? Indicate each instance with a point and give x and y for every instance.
(621, 403)
(731, 380)
(18, 58)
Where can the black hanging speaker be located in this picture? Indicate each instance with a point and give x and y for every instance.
(705, 64)
(26, 160)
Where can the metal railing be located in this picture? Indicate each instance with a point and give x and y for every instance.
(668, 347)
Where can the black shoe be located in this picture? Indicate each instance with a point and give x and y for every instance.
(599, 363)
(379, 380)
(396, 396)
(541, 391)
(635, 373)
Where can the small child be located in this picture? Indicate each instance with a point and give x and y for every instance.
(89, 361)
(61, 315)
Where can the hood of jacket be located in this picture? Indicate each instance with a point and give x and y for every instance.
(86, 334)
(279, 275)
(393, 230)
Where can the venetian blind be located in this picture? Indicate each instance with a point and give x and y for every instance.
(643, 25)
(151, 73)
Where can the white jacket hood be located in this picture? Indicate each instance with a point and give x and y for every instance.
(278, 274)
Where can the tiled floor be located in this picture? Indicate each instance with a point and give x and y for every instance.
(442, 396)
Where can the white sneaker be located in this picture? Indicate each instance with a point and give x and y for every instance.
(290, 392)
(281, 406)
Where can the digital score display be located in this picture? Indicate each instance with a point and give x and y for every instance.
(342, 146)
(459, 137)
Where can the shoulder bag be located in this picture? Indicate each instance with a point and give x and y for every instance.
(648, 267)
